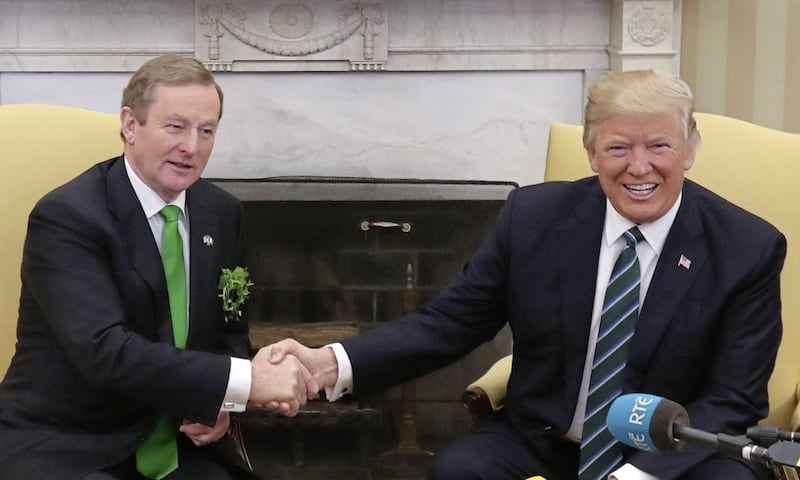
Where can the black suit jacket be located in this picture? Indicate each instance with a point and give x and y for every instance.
(95, 363)
(706, 338)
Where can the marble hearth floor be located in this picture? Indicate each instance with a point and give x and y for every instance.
(330, 458)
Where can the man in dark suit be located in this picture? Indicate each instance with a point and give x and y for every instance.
(99, 360)
(708, 323)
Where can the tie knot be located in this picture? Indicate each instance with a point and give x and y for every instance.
(633, 236)
(170, 213)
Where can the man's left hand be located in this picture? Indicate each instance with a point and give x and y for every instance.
(201, 435)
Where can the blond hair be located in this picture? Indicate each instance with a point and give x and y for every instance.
(640, 91)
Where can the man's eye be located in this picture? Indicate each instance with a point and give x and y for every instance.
(659, 147)
(617, 150)
(207, 132)
(175, 127)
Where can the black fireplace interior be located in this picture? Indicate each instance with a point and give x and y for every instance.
(364, 251)
(348, 249)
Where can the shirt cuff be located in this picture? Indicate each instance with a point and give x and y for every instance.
(238, 391)
(344, 382)
(629, 472)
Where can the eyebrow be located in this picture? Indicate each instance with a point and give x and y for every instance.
(181, 118)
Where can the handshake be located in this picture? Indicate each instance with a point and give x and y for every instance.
(286, 374)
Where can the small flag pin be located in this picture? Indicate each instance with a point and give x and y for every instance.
(684, 262)
(208, 241)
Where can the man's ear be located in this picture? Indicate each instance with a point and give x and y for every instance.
(129, 123)
(689, 161)
(592, 153)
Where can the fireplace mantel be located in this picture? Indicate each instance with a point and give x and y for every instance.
(340, 35)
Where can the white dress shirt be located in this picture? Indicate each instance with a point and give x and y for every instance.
(239, 379)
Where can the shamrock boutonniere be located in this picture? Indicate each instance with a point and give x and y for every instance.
(234, 288)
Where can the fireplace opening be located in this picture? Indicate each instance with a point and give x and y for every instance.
(332, 249)
(330, 257)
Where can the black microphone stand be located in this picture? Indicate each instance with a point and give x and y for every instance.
(766, 435)
(781, 457)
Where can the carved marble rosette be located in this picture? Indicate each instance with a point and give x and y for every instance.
(648, 25)
(642, 35)
(307, 36)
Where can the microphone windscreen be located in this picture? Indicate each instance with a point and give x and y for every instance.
(646, 421)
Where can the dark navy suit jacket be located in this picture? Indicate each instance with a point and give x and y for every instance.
(706, 338)
(94, 364)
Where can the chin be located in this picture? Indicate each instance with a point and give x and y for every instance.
(639, 216)
(181, 184)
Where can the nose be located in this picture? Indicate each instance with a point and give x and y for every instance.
(639, 162)
(188, 144)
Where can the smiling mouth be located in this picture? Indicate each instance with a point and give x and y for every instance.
(641, 188)
(182, 166)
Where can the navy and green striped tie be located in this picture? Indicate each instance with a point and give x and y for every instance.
(600, 452)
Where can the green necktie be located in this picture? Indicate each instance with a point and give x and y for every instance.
(157, 456)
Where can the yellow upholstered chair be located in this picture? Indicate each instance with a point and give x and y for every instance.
(41, 147)
(755, 167)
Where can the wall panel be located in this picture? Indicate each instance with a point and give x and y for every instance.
(740, 57)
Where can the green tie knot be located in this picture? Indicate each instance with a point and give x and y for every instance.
(171, 213)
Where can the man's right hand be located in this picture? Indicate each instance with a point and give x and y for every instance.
(284, 385)
(320, 362)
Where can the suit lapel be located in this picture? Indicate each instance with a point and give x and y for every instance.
(134, 231)
(579, 241)
(202, 253)
(670, 283)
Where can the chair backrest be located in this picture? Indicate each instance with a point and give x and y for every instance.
(42, 147)
(756, 168)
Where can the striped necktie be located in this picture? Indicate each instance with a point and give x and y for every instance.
(600, 452)
(157, 456)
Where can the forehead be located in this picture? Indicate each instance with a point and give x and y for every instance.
(190, 99)
(631, 125)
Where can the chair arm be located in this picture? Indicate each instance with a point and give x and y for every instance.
(477, 404)
(796, 414)
(488, 393)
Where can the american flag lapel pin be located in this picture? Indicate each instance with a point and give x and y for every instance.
(684, 262)
(208, 240)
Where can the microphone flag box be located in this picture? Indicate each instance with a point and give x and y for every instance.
(639, 420)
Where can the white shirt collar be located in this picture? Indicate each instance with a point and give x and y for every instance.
(655, 233)
(151, 202)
